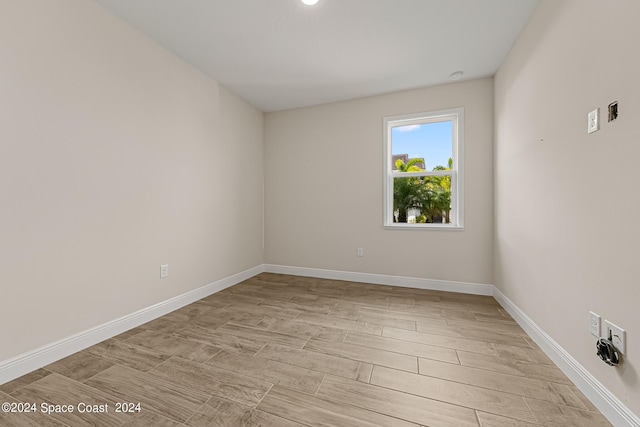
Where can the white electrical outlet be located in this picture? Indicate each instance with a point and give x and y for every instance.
(594, 324)
(360, 251)
(164, 271)
(617, 335)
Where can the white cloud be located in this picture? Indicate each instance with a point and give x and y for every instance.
(408, 128)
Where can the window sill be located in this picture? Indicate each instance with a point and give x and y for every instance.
(423, 227)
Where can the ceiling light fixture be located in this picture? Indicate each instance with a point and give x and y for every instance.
(309, 2)
(457, 75)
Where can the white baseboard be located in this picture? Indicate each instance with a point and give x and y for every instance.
(610, 406)
(35, 359)
(381, 279)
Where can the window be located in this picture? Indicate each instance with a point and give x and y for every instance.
(423, 166)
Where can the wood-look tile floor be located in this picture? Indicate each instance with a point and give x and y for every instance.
(280, 350)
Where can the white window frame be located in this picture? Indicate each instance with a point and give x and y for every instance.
(456, 115)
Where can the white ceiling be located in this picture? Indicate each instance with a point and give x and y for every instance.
(280, 54)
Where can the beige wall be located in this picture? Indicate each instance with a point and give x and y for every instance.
(324, 185)
(566, 202)
(115, 157)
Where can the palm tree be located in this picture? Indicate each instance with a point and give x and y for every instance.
(430, 194)
(408, 192)
(410, 166)
(440, 201)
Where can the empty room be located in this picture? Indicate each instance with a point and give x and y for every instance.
(319, 213)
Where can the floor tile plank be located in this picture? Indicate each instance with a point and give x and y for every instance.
(174, 346)
(126, 354)
(511, 328)
(513, 367)
(226, 342)
(492, 420)
(262, 335)
(404, 347)
(316, 412)
(297, 307)
(559, 415)
(363, 354)
(293, 327)
(264, 309)
(319, 362)
(529, 354)
(173, 400)
(440, 340)
(377, 320)
(218, 412)
(345, 324)
(495, 318)
(398, 314)
(518, 385)
(213, 380)
(405, 406)
(475, 333)
(494, 402)
(274, 372)
(79, 366)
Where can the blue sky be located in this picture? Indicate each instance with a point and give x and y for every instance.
(431, 141)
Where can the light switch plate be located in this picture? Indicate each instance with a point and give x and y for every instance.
(594, 121)
(594, 324)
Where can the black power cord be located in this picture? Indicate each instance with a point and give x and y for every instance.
(607, 352)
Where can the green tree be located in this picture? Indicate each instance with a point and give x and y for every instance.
(410, 166)
(437, 203)
(408, 192)
(438, 206)
(430, 194)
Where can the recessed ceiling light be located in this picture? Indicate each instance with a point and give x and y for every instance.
(457, 75)
(309, 2)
